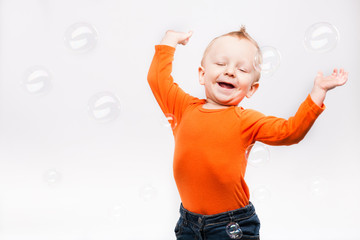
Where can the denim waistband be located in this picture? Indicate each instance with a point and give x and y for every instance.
(202, 220)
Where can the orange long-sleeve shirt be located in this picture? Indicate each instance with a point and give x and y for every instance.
(209, 158)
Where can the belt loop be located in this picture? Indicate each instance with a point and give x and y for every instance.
(231, 216)
(185, 218)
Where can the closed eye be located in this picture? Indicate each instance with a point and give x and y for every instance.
(220, 64)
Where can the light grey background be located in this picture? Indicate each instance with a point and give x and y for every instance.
(65, 174)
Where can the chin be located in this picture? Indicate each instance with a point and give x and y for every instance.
(227, 102)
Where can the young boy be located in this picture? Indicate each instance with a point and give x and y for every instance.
(212, 134)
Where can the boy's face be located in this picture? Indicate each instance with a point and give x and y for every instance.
(227, 72)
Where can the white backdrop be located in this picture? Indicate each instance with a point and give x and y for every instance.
(84, 153)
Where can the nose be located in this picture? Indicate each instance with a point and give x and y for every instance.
(229, 71)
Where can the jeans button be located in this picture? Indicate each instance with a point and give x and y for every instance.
(199, 220)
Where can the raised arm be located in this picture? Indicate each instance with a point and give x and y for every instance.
(278, 131)
(170, 97)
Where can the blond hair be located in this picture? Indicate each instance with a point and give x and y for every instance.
(240, 34)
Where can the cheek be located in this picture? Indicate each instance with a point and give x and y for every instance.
(254, 75)
(250, 78)
(245, 83)
(212, 76)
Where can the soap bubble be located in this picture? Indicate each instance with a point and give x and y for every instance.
(52, 176)
(147, 192)
(261, 194)
(104, 107)
(169, 121)
(321, 37)
(81, 37)
(117, 210)
(257, 154)
(37, 80)
(267, 60)
(318, 186)
(234, 231)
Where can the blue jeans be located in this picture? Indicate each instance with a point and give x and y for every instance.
(242, 223)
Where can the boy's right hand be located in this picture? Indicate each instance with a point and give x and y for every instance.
(173, 38)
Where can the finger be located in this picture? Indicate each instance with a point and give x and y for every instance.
(335, 72)
(339, 75)
(184, 42)
(341, 71)
(186, 38)
(188, 35)
(343, 79)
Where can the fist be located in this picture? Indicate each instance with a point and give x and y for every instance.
(172, 38)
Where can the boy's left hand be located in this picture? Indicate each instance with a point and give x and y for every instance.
(323, 84)
(327, 83)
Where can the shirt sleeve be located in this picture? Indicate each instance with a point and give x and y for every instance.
(170, 97)
(279, 131)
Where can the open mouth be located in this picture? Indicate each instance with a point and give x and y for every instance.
(226, 85)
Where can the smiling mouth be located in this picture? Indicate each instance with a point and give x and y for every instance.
(226, 85)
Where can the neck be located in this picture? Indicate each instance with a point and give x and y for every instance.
(212, 105)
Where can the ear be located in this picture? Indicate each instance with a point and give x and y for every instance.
(252, 89)
(201, 75)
